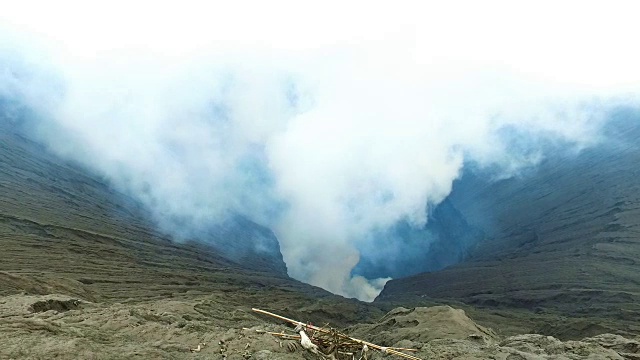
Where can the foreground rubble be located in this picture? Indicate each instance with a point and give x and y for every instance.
(67, 328)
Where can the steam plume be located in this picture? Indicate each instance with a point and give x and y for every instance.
(325, 123)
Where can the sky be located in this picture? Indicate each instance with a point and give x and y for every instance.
(325, 121)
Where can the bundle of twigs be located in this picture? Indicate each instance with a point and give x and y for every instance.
(332, 342)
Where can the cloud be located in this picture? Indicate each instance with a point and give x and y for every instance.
(325, 123)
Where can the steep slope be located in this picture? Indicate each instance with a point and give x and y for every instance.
(64, 231)
(66, 196)
(563, 238)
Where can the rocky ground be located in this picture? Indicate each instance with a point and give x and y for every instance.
(206, 327)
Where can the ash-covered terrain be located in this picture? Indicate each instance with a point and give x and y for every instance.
(64, 232)
(85, 274)
(181, 179)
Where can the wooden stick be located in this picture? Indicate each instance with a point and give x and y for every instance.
(362, 342)
(283, 335)
(297, 337)
(403, 349)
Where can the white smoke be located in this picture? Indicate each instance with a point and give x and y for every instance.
(325, 123)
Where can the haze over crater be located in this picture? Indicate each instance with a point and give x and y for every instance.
(328, 123)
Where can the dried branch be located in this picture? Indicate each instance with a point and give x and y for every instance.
(337, 339)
